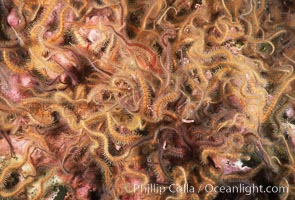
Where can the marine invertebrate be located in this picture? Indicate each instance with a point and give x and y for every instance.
(104, 99)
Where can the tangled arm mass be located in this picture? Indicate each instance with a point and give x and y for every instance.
(100, 95)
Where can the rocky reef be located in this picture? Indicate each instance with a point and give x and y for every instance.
(147, 99)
